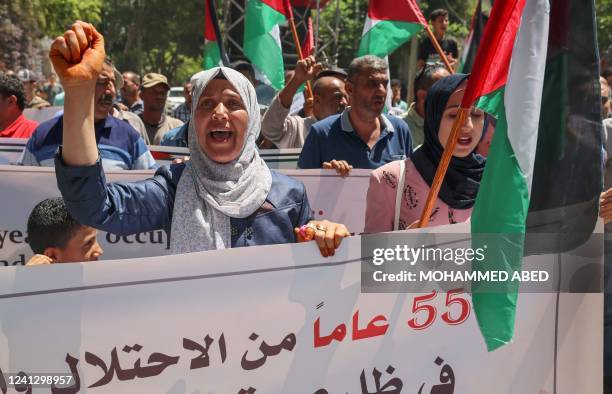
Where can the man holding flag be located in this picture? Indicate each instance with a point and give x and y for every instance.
(427, 49)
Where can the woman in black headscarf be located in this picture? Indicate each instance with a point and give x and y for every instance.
(395, 202)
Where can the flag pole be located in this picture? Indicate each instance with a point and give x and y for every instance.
(438, 48)
(296, 40)
(213, 16)
(436, 184)
(451, 143)
(316, 33)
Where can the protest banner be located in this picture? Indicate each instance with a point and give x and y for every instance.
(12, 148)
(278, 319)
(330, 196)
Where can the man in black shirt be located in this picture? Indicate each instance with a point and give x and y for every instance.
(427, 51)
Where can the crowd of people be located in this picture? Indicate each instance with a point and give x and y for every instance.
(218, 197)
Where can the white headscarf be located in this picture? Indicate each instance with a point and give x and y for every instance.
(209, 193)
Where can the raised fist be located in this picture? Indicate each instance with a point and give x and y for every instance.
(78, 55)
(306, 69)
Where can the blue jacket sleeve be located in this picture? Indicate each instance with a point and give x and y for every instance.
(119, 208)
(305, 213)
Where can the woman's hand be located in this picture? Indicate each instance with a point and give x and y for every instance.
(78, 55)
(328, 235)
(605, 206)
(342, 167)
(39, 259)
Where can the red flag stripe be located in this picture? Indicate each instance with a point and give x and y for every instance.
(492, 63)
(288, 10)
(280, 6)
(209, 29)
(396, 10)
(308, 46)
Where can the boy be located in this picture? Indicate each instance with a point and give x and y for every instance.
(55, 237)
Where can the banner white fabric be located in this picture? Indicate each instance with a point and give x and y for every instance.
(12, 148)
(278, 319)
(331, 197)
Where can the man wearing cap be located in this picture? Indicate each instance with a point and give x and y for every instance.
(330, 98)
(29, 79)
(154, 92)
(119, 144)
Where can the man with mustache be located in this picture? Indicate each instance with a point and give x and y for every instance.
(119, 144)
(361, 136)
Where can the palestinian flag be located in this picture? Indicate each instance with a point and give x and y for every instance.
(568, 166)
(214, 54)
(479, 20)
(388, 25)
(507, 78)
(262, 43)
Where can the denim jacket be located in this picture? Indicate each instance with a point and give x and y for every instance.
(125, 208)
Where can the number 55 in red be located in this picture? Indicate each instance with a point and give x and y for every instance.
(429, 311)
(464, 305)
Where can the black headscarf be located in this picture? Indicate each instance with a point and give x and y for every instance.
(462, 179)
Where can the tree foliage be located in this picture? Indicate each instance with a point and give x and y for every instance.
(142, 35)
(24, 22)
(54, 16)
(341, 24)
(603, 8)
(154, 35)
(17, 44)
